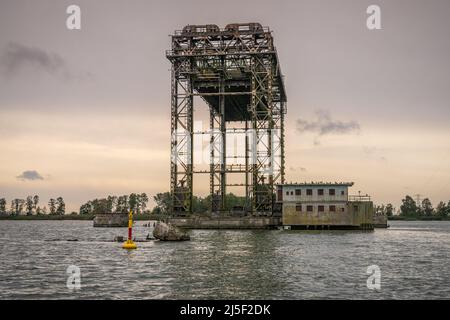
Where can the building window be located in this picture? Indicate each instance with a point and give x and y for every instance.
(342, 209)
(332, 192)
(309, 208)
(332, 208)
(320, 192)
(287, 193)
(298, 207)
(309, 192)
(292, 193)
(321, 208)
(342, 192)
(298, 192)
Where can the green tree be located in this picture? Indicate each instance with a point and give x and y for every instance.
(389, 210)
(2, 206)
(231, 200)
(200, 205)
(61, 206)
(427, 207)
(111, 203)
(36, 203)
(52, 206)
(122, 204)
(408, 207)
(143, 201)
(86, 208)
(163, 201)
(100, 206)
(380, 209)
(29, 205)
(443, 210)
(133, 202)
(447, 211)
(156, 210)
(17, 206)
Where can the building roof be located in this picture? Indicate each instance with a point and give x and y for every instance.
(318, 183)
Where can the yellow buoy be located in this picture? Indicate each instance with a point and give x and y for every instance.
(129, 244)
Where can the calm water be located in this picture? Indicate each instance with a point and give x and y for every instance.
(413, 258)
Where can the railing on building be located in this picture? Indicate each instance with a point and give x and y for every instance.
(359, 198)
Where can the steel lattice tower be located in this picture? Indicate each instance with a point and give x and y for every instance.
(236, 71)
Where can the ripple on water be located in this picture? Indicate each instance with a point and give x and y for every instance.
(412, 256)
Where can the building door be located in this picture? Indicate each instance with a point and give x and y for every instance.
(280, 194)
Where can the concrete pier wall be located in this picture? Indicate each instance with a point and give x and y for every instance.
(226, 222)
(380, 221)
(111, 220)
(357, 215)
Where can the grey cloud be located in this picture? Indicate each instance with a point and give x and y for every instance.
(325, 125)
(17, 55)
(30, 175)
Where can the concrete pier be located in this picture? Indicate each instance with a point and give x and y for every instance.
(111, 220)
(380, 221)
(226, 222)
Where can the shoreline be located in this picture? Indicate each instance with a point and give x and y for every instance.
(141, 217)
(402, 218)
(146, 217)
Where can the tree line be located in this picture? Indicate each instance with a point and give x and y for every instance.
(138, 203)
(413, 209)
(199, 204)
(30, 206)
(117, 204)
(410, 208)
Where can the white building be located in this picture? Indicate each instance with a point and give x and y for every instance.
(324, 206)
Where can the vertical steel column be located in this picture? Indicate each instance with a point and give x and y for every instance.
(270, 132)
(216, 158)
(247, 170)
(282, 111)
(265, 117)
(190, 126)
(212, 171)
(181, 175)
(173, 137)
(255, 137)
(224, 150)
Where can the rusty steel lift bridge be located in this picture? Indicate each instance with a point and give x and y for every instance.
(236, 71)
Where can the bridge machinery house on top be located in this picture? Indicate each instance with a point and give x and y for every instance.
(319, 205)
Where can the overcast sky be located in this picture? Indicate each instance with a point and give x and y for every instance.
(86, 113)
